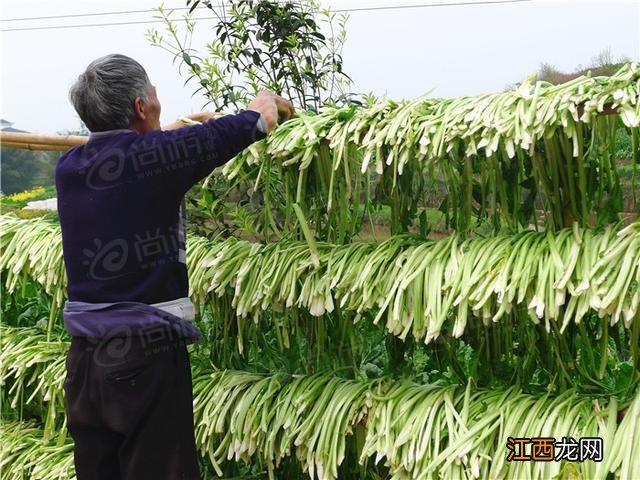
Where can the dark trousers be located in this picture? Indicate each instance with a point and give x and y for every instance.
(129, 409)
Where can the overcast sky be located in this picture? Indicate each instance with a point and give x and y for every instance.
(454, 50)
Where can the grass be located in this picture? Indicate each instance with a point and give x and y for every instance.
(20, 199)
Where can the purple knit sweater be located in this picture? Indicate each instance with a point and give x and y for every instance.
(121, 206)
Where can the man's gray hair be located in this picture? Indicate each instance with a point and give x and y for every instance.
(103, 95)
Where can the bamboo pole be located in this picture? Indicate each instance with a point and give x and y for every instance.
(34, 141)
(61, 143)
(35, 146)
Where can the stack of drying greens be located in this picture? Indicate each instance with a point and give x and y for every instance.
(415, 284)
(417, 430)
(500, 156)
(405, 358)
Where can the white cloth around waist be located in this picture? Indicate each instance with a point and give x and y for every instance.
(180, 307)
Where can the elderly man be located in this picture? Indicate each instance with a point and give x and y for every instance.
(121, 206)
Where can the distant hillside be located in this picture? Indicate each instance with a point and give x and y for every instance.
(550, 74)
(25, 169)
(603, 64)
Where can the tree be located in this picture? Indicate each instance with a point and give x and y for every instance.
(291, 47)
(24, 169)
(262, 44)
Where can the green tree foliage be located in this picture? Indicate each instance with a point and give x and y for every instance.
(292, 48)
(24, 169)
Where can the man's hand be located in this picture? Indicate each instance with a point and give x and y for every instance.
(272, 107)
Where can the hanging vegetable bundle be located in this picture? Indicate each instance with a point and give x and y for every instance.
(501, 157)
(417, 431)
(415, 285)
(496, 153)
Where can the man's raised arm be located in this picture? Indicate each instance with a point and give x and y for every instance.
(199, 149)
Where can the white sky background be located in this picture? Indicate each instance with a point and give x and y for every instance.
(455, 50)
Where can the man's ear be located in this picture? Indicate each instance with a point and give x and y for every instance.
(139, 108)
